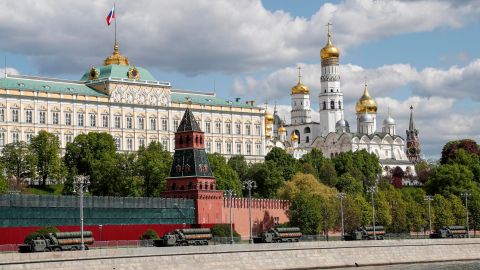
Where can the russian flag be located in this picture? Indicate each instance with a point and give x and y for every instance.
(111, 16)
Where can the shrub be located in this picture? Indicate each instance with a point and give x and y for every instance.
(149, 234)
(223, 230)
(42, 232)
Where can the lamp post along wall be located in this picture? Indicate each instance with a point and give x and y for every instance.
(429, 198)
(230, 193)
(466, 194)
(81, 183)
(249, 185)
(372, 190)
(342, 195)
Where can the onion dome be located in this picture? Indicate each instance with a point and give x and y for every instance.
(294, 137)
(329, 51)
(269, 118)
(282, 129)
(389, 121)
(366, 104)
(116, 58)
(342, 123)
(366, 118)
(300, 88)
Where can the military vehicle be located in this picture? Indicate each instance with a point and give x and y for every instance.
(185, 237)
(450, 232)
(365, 233)
(57, 241)
(278, 235)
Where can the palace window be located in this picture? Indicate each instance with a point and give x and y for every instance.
(80, 119)
(238, 128)
(129, 144)
(153, 123)
(141, 122)
(164, 124)
(248, 129)
(207, 127)
(218, 147)
(29, 136)
(249, 148)
(118, 121)
(258, 148)
(218, 127)
(257, 129)
(129, 122)
(14, 115)
(105, 120)
(2, 115)
(2, 138)
(29, 116)
(68, 138)
(339, 104)
(15, 137)
(68, 119)
(141, 142)
(93, 120)
(332, 104)
(324, 105)
(229, 148)
(175, 125)
(239, 148)
(165, 144)
(208, 149)
(228, 126)
(118, 141)
(55, 118)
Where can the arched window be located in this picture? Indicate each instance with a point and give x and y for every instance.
(188, 138)
(306, 130)
(174, 186)
(190, 185)
(331, 90)
(196, 139)
(211, 186)
(324, 105)
(332, 104)
(307, 139)
(180, 140)
(339, 104)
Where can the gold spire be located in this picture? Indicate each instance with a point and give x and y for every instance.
(329, 51)
(366, 104)
(116, 58)
(300, 88)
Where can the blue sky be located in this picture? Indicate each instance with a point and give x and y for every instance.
(423, 53)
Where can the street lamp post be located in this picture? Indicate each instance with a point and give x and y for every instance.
(100, 228)
(429, 198)
(81, 183)
(372, 190)
(466, 194)
(342, 196)
(249, 185)
(230, 193)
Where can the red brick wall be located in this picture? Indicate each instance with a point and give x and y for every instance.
(265, 213)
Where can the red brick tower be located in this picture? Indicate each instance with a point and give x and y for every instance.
(413, 143)
(191, 176)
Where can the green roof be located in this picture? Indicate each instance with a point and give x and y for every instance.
(47, 85)
(119, 71)
(206, 99)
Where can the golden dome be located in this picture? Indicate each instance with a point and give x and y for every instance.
(268, 135)
(329, 51)
(268, 118)
(366, 104)
(116, 58)
(294, 137)
(300, 88)
(282, 129)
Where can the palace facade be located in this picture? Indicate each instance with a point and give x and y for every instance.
(129, 103)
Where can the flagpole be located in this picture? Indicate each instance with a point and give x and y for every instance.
(115, 19)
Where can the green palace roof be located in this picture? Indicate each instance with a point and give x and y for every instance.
(181, 96)
(17, 82)
(119, 71)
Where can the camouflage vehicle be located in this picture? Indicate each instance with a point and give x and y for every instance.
(185, 237)
(450, 232)
(278, 235)
(365, 233)
(57, 241)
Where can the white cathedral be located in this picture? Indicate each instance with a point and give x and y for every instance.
(332, 134)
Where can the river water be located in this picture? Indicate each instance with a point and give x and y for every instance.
(470, 265)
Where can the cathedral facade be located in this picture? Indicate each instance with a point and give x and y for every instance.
(333, 133)
(129, 103)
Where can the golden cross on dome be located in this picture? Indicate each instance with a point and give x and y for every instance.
(328, 27)
(299, 74)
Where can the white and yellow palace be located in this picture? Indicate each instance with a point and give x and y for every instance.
(130, 104)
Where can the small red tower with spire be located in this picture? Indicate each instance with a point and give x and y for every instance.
(413, 143)
(191, 176)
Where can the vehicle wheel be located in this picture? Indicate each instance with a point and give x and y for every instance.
(74, 248)
(184, 244)
(57, 249)
(87, 248)
(46, 250)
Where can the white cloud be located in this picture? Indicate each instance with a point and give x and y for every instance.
(10, 71)
(201, 36)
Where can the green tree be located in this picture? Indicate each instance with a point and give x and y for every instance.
(348, 184)
(458, 210)
(450, 150)
(19, 161)
(153, 165)
(267, 177)
(450, 178)
(3, 181)
(305, 212)
(356, 212)
(239, 165)
(442, 212)
(415, 208)
(149, 234)
(227, 178)
(284, 162)
(327, 174)
(361, 165)
(313, 159)
(46, 148)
